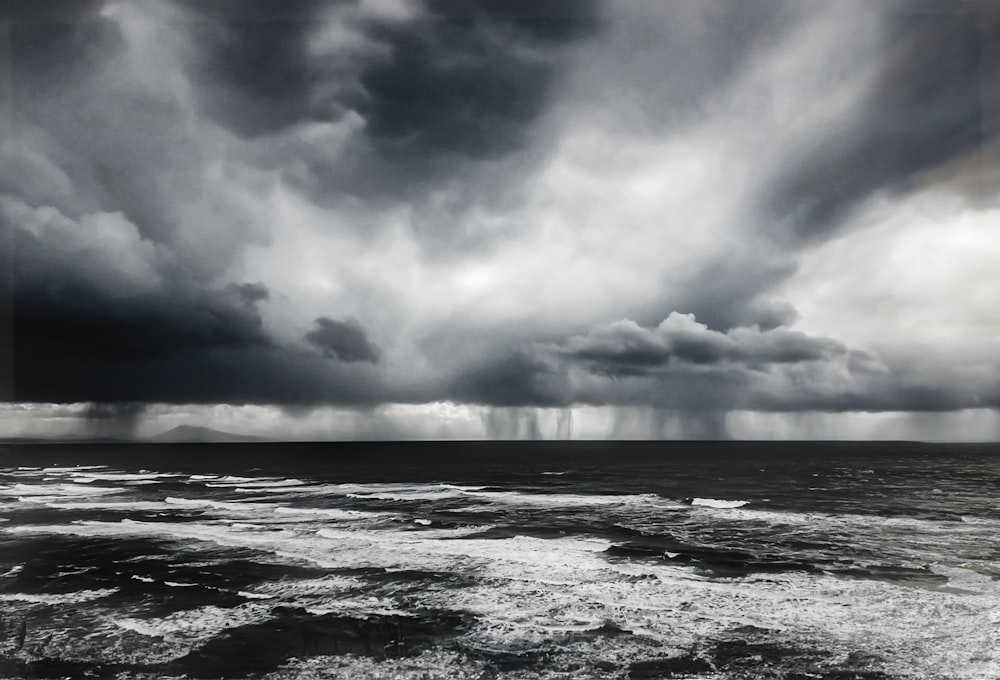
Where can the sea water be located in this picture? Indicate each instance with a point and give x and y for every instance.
(506, 560)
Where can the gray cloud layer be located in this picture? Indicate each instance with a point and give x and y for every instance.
(145, 179)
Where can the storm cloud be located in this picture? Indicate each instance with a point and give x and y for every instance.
(932, 98)
(345, 340)
(626, 348)
(667, 207)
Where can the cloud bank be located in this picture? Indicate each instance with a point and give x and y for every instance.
(698, 208)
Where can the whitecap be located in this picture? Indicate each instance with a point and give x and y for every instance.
(196, 624)
(254, 596)
(328, 513)
(72, 468)
(60, 598)
(717, 503)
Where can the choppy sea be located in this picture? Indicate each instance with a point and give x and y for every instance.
(508, 560)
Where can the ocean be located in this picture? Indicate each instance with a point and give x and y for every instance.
(794, 560)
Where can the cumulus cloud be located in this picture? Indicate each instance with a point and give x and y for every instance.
(625, 348)
(345, 340)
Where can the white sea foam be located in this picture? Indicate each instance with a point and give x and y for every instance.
(237, 479)
(573, 500)
(196, 624)
(39, 492)
(329, 513)
(59, 598)
(231, 506)
(254, 596)
(122, 506)
(264, 489)
(409, 495)
(331, 586)
(364, 606)
(71, 469)
(88, 477)
(717, 503)
(528, 591)
(250, 482)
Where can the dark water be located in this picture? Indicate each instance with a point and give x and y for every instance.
(517, 560)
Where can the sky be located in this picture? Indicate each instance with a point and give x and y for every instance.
(501, 218)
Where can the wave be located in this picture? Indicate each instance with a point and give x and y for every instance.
(527, 592)
(264, 489)
(406, 495)
(119, 506)
(88, 477)
(71, 468)
(717, 503)
(238, 506)
(254, 596)
(574, 500)
(55, 490)
(196, 624)
(328, 513)
(252, 482)
(60, 598)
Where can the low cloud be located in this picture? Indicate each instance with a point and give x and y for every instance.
(626, 348)
(345, 340)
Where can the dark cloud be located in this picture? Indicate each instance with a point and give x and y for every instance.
(460, 78)
(543, 20)
(730, 291)
(85, 345)
(253, 65)
(515, 378)
(936, 97)
(682, 375)
(470, 79)
(109, 318)
(345, 340)
(49, 10)
(83, 324)
(625, 348)
(55, 40)
(252, 293)
(667, 60)
(96, 134)
(262, 11)
(125, 272)
(448, 89)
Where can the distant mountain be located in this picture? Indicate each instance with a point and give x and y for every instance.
(193, 434)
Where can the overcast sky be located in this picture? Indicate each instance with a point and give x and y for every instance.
(501, 218)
